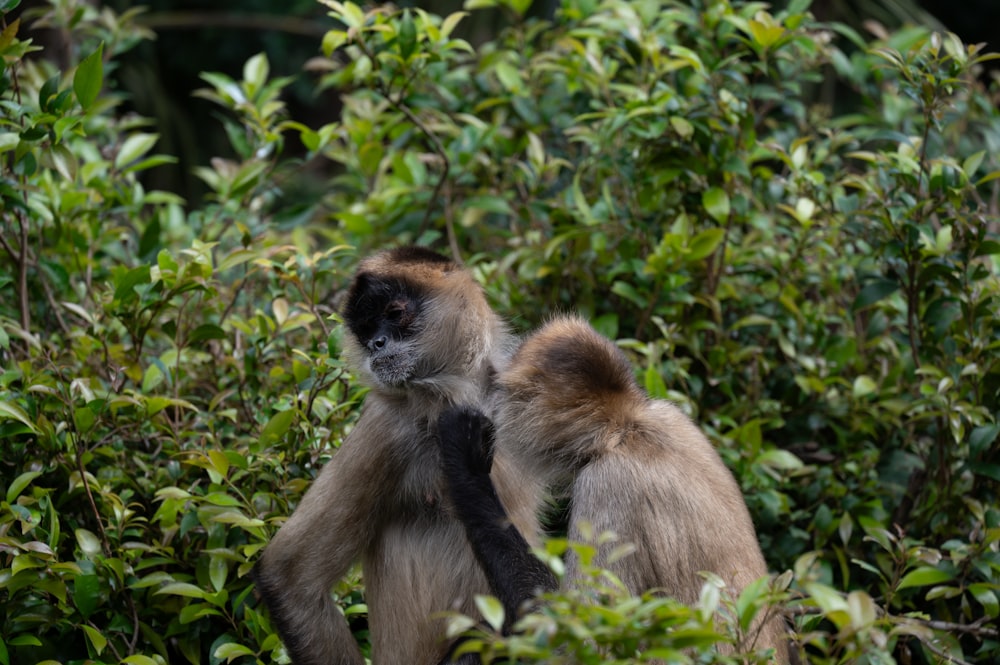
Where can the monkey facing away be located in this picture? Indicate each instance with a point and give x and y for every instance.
(570, 411)
(421, 334)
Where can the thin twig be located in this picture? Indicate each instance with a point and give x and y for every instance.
(438, 148)
(948, 658)
(399, 106)
(22, 286)
(10, 250)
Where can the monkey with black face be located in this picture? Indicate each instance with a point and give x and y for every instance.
(422, 336)
(570, 411)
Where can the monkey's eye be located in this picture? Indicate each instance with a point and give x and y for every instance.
(394, 311)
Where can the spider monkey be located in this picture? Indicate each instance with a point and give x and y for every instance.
(570, 411)
(421, 335)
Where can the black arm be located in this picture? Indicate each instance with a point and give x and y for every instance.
(515, 575)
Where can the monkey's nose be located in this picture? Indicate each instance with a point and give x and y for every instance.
(377, 343)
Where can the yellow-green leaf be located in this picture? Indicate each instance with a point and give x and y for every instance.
(492, 611)
(20, 483)
(135, 147)
(11, 411)
(923, 577)
(96, 639)
(716, 203)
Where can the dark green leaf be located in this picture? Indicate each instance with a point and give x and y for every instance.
(87, 594)
(988, 248)
(204, 332)
(982, 437)
(873, 292)
(47, 91)
(276, 428)
(89, 78)
(407, 36)
(125, 286)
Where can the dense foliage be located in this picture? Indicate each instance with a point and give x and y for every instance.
(817, 286)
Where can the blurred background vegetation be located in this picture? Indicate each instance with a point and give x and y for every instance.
(191, 35)
(787, 217)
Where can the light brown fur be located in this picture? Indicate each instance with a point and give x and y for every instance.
(571, 412)
(380, 500)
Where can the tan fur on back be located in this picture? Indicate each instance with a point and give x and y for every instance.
(571, 411)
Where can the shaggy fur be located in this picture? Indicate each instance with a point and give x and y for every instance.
(423, 337)
(571, 414)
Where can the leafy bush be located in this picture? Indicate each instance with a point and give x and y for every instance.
(815, 283)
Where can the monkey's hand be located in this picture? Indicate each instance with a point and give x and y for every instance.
(466, 438)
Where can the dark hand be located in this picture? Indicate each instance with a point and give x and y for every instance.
(465, 437)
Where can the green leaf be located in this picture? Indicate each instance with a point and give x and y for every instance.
(276, 428)
(24, 641)
(519, 6)
(89, 78)
(86, 593)
(988, 248)
(11, 411)
(219, 462)
(231, 651)
(681, 125)
(125, 285)
(987, 597)
(705, 243)
(972, 162)
(492, 611)
(9, 141)
(607, 325)
(764, 31)
(861, 609)
(255, 72)
(407, 36)
(19, 483)
(96, 639)
(217, 572)
(864, 386)
(779, 459)
(182, 589)
(980, 439)
(716, 203)
(654, 383)
(135, 147)
(830, 601)
(449, 23)
(925, 576)
(204, 332)
(139, 660)
(333, 40)
(89, 544)
(874, 291)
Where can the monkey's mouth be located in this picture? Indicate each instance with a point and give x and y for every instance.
(392, 370)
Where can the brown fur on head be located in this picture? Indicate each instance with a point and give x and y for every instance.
(570, 393)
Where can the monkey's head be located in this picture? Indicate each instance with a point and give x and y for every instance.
(566, 390)
(416, 319)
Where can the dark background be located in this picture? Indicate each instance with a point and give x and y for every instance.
(193, 36)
